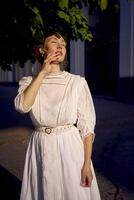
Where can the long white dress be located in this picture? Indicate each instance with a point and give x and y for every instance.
(53, 162)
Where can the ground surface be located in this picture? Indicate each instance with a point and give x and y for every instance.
(113, 150)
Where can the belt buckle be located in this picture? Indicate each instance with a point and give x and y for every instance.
(48, 130)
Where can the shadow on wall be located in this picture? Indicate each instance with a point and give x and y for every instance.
(9, 117)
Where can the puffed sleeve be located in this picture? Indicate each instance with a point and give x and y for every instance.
(18, 101)
(86, 116)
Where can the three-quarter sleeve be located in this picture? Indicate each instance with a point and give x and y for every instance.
(18, 101)
(86, 116)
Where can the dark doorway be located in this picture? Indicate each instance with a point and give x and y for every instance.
(102, 54)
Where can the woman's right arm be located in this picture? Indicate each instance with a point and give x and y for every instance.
(28, 87)
(31, 91)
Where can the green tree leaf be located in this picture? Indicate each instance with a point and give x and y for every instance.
(29, 21)
(63, 4)
(64, 16)
(103, 4)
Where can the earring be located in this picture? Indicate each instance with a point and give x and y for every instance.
(42, 52)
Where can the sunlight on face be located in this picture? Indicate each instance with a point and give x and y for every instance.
(56, 45)
(54, 40)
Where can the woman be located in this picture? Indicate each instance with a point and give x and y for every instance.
(58, 162)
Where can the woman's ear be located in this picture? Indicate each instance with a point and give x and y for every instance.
(42, 51)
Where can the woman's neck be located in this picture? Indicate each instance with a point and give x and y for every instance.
(55, 68)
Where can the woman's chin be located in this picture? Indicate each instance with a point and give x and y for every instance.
(57, 61)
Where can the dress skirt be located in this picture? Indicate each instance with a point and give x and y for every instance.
(52, 169)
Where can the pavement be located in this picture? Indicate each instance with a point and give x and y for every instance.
(113, 149)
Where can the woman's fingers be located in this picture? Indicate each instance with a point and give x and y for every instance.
(86, 177)
(51, 58)
(51, 54)
(82, 179)
(47, 63)
(86, 181)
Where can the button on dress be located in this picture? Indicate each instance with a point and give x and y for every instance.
(53, 162)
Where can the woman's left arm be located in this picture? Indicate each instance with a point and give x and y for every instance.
(86, 172)
(88, 141)
(86, 124)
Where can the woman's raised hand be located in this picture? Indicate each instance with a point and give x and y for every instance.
(46, 67)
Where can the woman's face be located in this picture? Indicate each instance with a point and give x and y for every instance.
(57, 46)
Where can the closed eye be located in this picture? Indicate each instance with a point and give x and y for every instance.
(63, 45)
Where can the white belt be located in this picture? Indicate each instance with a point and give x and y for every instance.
(56, 129)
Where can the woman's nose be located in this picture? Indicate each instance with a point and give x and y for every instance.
(59, 45)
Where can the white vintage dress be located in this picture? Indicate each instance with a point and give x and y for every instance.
(53, 162)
